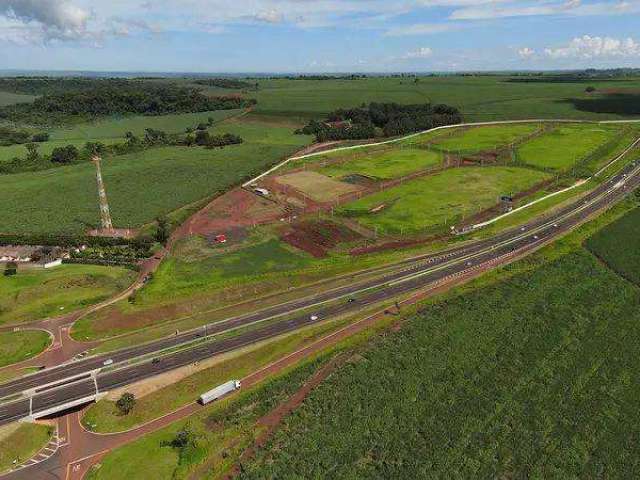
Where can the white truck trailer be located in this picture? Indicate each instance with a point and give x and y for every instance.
(219, 391)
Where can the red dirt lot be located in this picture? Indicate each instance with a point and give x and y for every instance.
(318, 237)
(237, 208)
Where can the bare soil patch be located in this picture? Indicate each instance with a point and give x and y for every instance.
(318, 237)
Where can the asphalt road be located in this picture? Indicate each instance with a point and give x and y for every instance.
(422, 272)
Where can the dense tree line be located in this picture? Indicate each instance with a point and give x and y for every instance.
(129, 98)
(230, 83)
(381, 119)
(32, 85)
(10, 136)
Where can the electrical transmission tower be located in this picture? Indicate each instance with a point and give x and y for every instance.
(105, 216)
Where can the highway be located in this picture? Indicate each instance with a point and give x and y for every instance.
(416, 274)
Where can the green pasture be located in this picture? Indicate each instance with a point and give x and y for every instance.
(444, 198)
(472, 140)
(33, 294)
(516, 379)
(566, 145)
(140, 186)
(8, 98)
(19, 346)
(480, 98)
(385, 164)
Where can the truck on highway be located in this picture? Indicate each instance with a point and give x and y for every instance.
(219, 391)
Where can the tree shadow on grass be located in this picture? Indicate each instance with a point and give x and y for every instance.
(616, 103)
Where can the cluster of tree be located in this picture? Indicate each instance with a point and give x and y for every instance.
(10, 136)
(229, 83)
(131, 98)
(325, 77)
(125, 403)
(205, 139)
(10, 269)
(381, 119)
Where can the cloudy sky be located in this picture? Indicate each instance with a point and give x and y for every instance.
(317, 35)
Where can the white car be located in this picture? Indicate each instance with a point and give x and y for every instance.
(313, 317)
(107, 362)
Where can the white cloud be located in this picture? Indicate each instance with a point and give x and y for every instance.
(421, 29)
(587, 47)
(424, 52)
(47, 19)
(270, 16)
(526, 53)
(516, 8)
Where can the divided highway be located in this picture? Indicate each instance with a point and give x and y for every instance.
(54, 387)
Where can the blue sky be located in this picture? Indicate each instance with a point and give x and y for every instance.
(318, 35)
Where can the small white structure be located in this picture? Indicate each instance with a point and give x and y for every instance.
(219, 391)
(262, 191)
(53, 263)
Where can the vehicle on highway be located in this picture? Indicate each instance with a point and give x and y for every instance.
(219, 391)
(313, 317)
(107, 362)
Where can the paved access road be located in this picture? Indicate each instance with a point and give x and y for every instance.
(417, 274)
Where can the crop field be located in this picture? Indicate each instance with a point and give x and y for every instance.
(139, 186)
(482, 98)
(8, 98)
(18, 346)
(34, 294)
(618, 245)
(444, 198)
(468, 141)
(527, 390)
(113, 130)
(316, 186)
(385, 164)
(565, 146)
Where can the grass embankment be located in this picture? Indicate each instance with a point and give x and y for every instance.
(618, 245)
(104, 416)
(442, 199)
(467, 141)
(33, 294)
(21, 441)
(140, 186)
(385, 164)
(516, 378)
(566, 145)
(19, 346)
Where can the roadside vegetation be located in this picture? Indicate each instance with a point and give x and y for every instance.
(21, 441)
(20, 346)
(618, 245)
(34, 294)
(527, 389)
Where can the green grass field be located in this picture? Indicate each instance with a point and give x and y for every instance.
(566, 145)
(19, 346)
(34, 294)
(444, 198)
(479, 139)
(139, 186)
(619, 246)
(384, 164)
(481, 98)
(513, 380)
(112, 130)
(21, 442)
(8, 98)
